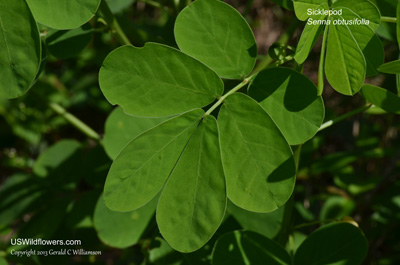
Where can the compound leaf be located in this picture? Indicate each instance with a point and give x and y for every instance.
(258, 162)
(157, 80)
(333, 244)
(291, 100)
(227, 46)
(246, 247)
(20, 48)
(119, 229)
(382, 98)
(390, 67)
(143, 166)
(193, 202)
(63, 14)
(120, 128)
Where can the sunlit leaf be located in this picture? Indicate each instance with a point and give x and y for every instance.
(258, 162)
(227, 46)
(301, 7)
(193, 202)
(390, 67)
(291, 100)
(63, 14)
(157, 80)
(141, 169)
(121, 128)
(382, 98)
(119, 229)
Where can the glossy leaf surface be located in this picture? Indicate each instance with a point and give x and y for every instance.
(141, 169)
(193, 202)
(246, 247)
(157, 80)
(346, 245)
(122, 230)
(121, 128)
(227, 46)
(258, 162)
(291, 100)
(63, 14)
(20, 48)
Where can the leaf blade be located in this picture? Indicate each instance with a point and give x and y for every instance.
(141, 169)
(225, 45)
(195, 193)
(260, 173)
(153, 80)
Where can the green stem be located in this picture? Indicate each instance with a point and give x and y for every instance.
(314, 223)
(233, 90)
(389, 19)
(344, 116)
(77, 123)
(321, 63)
(113, 23)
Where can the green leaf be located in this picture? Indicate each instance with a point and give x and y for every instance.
(68, 43)
(301, 6)
(63, 14)
(51, 159)
(364, 35)
(258, 162)
(309, 37)
(291, 100)
(141, 169)
(193, 202)
(122, 230)
(3, 261)
(333, 244)
(345, 65)
(390, 67)
(337, 207)
(398, 25)
(157, 80)
(362, 9)
(20, 49)
(245, 247)
(227, 46)
(382, 98)
(117, 6)
(266, 224)
(20, 193)
(120, 128)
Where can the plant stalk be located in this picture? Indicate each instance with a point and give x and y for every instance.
(321, 63)
(344, 116)
(77, 123)
(233, 90)
(389, 19)
(113, 23)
